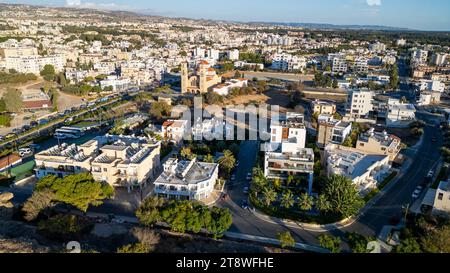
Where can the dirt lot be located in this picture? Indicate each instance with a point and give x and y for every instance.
(272, 97)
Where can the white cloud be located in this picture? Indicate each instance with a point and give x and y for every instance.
(100, 6)
(374, 2)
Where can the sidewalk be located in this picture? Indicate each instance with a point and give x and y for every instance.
(271, 241)
(231, 235)
(339, 225)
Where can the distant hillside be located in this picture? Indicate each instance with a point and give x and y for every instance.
(332, 26)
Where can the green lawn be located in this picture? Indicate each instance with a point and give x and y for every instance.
(23, 170)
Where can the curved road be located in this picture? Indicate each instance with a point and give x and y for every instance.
(370, 223)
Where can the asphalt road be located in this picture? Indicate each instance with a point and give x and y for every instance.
(389, 206)
(371, 223)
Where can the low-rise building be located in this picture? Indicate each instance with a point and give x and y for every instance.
(174, 130)
(441, 205)
(224, 89)
(120, 161)
(331, 130)
(323, 107)
(365, 170)
(400, 115)
(379, 143)
(116, 83)
(186, 180)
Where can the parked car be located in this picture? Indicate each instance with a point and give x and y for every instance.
(249, 177)
(246, 190)
(34, 146)
(245, 204)
(25, 151)
(233, 177)
(34, 124)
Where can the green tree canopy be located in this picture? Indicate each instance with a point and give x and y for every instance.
(227, 162)
(13, 100)
(331, 243)
(286, 239)
(78, 190)
(343, 196)
(48, 72)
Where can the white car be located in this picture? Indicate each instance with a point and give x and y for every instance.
(246, 190)
(249, 176)
(25, 151)
(416, 193)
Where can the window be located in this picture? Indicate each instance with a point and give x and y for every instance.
(274, 139)
(105, 169)
(361, 144)
(441, 196)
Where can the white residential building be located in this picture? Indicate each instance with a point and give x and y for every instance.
(225, 88)
(117, 83)
(186, 180)
(361, 65)
(34, 64)
(419, 57)
(175, 130)
(339, 65)
(439, 59)
(117, 160)
(365, 170)
(400, 115)
(377, 47)
(359, 103)
(430, 85)
(286, 154)
(441, 205)
(288, 62)
(233, 55)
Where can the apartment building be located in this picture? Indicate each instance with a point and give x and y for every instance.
(359, 103)
(441, 205)
(288, 62)
(116, 83)
(331, 130)
(18, 52)
(174, 130)
(400, 115)
(323, 107)
(121, 161)
(379, 143)
(439, 59)
(430, 85)
(377, 47)
(233, 54)
(186, 180)
(34, 64)
(339, 64)
(286, 154)
(361, 65)
(419, 57)
(364, 169)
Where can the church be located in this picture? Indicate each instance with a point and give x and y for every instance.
(202, 79)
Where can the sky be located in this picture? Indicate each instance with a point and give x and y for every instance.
(414, 14)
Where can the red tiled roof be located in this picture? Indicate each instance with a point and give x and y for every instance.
(13, 158)
(37, 104)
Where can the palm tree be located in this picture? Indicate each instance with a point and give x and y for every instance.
(259, 180)
(269, 196)
(287, 200)
(227, 161)
(322, 203)
(209, 159)
(186, 152)
(305, 202)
